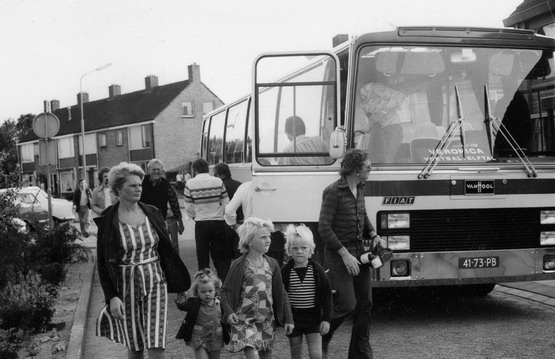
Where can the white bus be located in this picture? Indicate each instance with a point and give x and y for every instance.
(459, 125)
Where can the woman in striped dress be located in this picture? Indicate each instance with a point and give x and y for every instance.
(137, 267)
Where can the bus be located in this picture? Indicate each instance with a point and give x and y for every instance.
(459, 125)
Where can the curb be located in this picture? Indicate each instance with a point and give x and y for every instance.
(77, 334)
(520, 291)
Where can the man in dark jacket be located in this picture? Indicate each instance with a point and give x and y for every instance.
(82, 205)
(158, 191)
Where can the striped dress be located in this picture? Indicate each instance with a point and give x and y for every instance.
(142, 285)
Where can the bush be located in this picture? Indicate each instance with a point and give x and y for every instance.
(32, 268)
(28, 306)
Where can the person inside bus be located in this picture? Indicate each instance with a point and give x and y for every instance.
(295, 130)
(384, 108)
(515, 114)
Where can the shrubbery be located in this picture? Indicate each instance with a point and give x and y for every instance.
(33, 266)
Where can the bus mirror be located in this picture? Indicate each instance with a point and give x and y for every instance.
(337, 143)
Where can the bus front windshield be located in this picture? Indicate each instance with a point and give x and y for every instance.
(407, 97)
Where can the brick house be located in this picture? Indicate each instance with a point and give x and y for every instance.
(161, 122)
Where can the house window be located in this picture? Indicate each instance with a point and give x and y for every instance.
(90, 144)
(146, 135)
(207, 107)
(65, 147)
(27, 153)
(67, 181)
(140, 137)
(119, 138)
(102, 140)
(188, 109)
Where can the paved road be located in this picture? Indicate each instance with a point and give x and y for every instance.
(500, 325)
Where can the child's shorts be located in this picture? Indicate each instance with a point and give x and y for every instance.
(307, 321)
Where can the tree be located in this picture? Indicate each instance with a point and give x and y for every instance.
(11, 132)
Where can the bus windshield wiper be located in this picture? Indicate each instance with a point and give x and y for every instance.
(452, 130)
(495, 124)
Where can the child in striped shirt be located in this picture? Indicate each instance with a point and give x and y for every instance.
(309, 293)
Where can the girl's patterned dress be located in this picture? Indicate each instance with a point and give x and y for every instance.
(256, 316)
(207, 332)
(142, 284)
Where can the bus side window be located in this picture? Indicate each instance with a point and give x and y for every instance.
(235, 132)
(216, 138)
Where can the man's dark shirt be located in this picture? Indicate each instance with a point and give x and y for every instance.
(159, 195)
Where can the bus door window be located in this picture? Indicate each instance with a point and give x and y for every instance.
(296, 116)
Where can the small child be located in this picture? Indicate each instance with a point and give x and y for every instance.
(309, 293)
(254, 301)
(202, 328)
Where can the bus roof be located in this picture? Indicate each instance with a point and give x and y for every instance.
(461, 35)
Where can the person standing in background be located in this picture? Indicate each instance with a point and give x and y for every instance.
(102, 195)
(205, 200)
(81, 205)
(158, 191)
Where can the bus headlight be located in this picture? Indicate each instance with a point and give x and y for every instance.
(547, 217)
(549, 262)
(400, 268)
(398, 243)
(547, 238)
(395, 220)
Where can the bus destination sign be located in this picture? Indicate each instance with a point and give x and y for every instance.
(479, 187)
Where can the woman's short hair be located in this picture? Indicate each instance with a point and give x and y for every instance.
(248, 229)
(101, 173)
(203, 277)
(118, 175)
(353, 161)
(299, 235)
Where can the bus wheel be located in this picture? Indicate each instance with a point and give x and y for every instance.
(479, 290)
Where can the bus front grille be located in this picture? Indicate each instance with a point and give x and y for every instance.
(474, 229)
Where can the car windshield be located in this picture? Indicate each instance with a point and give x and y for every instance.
(407, 98)
(26, 198)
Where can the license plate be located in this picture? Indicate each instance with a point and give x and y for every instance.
(478, 262)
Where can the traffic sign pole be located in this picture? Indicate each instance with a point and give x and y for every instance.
(47, 125)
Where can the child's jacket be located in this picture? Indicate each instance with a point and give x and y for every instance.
(323, 300)
(192, 307)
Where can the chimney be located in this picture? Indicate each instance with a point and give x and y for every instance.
(54, 105)
(339, 39)
(194, 72)
(114, 90)
(85, 97)
(151, 82)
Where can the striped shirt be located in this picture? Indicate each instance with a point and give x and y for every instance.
(308, 145)
(205, 198)
(302, 292)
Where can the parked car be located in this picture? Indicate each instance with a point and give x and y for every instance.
(33, 205)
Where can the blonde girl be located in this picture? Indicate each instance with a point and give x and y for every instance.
(254, 301)
(309, 293)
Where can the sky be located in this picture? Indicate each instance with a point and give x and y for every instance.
(47, 46)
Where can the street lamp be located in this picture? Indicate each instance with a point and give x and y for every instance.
(83, 116)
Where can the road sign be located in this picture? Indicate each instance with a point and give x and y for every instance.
(46, 125)
(47, 152)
